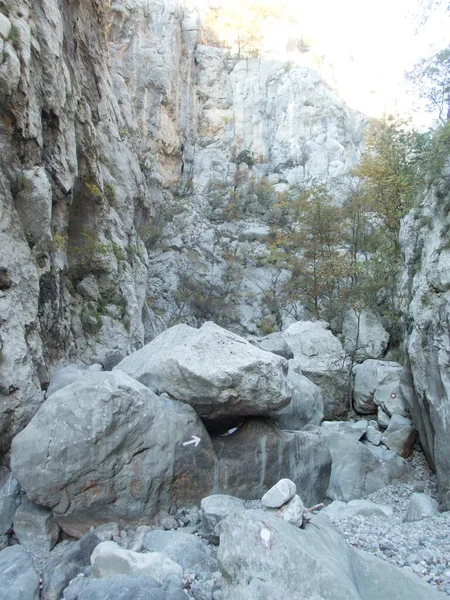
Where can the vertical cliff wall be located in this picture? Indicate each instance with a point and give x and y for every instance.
(119, 133)
(426, 285)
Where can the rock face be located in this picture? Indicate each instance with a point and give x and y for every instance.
(320, 356)
(119, 129)
(105, 448)
(358, 470)
(217, 372)
(270, 455)
(264, 557)
(306, 405)
(369, 376)
(426, 284)
(364, 334)
(18, 579)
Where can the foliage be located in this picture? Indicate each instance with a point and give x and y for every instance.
(389, 171)
(245, 156)
(430, 78)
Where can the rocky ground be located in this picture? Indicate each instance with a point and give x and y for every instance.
(422, 547)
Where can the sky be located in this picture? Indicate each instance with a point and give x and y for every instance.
(370, 43)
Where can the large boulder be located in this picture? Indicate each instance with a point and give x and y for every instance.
(258, 455)
(217, 372)
(364, 334)
(358, 470)
(106, 448)
(306, 406)
(35, 527)
(124, 587)
(275, 343)
(369, 376)
(18, 578)
(264, 557)
(321, 358)
(400, 436)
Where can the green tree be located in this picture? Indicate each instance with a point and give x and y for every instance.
(430, 79)
(388, 171)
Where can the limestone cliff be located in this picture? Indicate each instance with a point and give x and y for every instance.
(122, 140)
(426, 285)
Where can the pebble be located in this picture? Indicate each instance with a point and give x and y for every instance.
(422, 547)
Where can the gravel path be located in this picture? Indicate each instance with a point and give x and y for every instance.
(421, 547)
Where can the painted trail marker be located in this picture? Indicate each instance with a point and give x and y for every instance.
(195, 440)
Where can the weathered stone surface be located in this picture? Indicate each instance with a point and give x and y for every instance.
(108, 558)
(217, 372)
(420, 507)
(369, 375)
(270, 455)
(9, 499)
(185, 549)
(18, 578)
(353, 429)
(343, 510)
(306, 405)
(292, 511)
(388, 397)
(124, 587)
(34, 205)
(283, 491)
(400, 435)
(263, 557)
(35, 527)
(213, 509)
(60, 570)
(64, 376)
(106, 448)
(320, 356)
(364, 334)
(373, 435)
(358, 470)
(425, 384)
(275, 343)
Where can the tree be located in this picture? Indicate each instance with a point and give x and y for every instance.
(388, 171)
(431, 79)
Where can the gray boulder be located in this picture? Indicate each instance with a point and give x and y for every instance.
(271, 455)
(373, 435)
(35, 527)
(217, 372)
(213, 509)
(264, 557)
(369, 375)
(388, 398)
(353, 429)
(108, 559)
(124, 587)
(275, 343)
(364, 334)
(321, 358)
(292, 511)
(283, 491)
(420, 507)
(358, 470)
(63, 377)
(60, 570)
(18, 578)
(107, 449)
(306, 406)
(9, 499)
(400, 436)
(186, 549)
(344, 510)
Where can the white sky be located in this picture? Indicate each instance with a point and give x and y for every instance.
(369, 42)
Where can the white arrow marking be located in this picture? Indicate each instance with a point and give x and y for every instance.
(195, 440)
